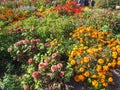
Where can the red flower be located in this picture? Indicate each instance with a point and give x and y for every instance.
(35, 74)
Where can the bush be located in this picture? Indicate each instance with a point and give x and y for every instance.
(93, 56)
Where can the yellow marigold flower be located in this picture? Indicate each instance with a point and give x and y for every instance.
(94, 76)
(109, 64)
(110, 79)
(105, 84)
(118, 50)
(113, 64)
(100, 61)
(118, 63)
(107, 59)
(76, 78)
(103, 76)
(73, 62)
(81, 62)
(95, 83)
(86, 59)
(99, 68)
(105, 68)
(114, 54)
(87, 74)
(82, 69)
(100, 48)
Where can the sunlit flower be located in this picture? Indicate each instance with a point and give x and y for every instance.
(35, 74)
(42, 65)
(110, 79)
(95, 83)
(59, 65)
(54, 55)
(54, 68)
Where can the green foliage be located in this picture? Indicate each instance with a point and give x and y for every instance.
(10, 82)
(106, 20)
(107, 3)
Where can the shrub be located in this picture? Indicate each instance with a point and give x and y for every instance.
(93, 56)
(43, 63)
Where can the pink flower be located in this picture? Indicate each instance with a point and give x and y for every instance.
(42, 65)
(37, 40)
(33, 41)
(54, 68)
(35, 74)
(25, 41)
(54, 55)
(47, 60)
(47, 44)
(9, 49)
(62, 73)
(30, 60)
(59, 65)
(26, 88)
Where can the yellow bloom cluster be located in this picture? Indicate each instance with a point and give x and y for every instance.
(42, 13)
(94, 56)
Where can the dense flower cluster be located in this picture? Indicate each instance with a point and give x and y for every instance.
(12, 15)
(69, 8)
(44, 66)
(94, 56)
(23, 42)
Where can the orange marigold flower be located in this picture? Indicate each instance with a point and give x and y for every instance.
(105, 68)
(87, 74)
(118, 58)
(105, 84)
(86, 59)
(118, 63)
(95, 83)
(100, 61)
(82, 69)
(76, 78)
(81, 77)
(99, 68)
(94, 76)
